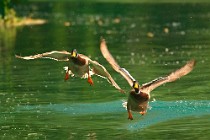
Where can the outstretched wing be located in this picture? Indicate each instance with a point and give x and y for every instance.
(55, 55)
(187, 68)
(105, 52)
(101, 71)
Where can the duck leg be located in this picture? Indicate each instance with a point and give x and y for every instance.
(90, 81)
(130, 117)
(66, 75)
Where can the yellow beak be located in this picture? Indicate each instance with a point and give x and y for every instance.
(136, 86)
(73, 54)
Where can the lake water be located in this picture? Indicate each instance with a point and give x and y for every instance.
(149, 40)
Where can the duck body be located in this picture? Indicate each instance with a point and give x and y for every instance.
(78, 67)
(76, 70)
(79, 61)
(137, 103)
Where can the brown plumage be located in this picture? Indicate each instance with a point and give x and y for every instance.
(79, 60)
(139, 95)
(79, 65)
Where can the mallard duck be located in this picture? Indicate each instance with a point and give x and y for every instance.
(79, 65)
(139, 95)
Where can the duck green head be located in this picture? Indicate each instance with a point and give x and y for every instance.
(136, 86)
(74, 53)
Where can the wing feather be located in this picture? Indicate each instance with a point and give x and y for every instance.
(101, 71)
(107, 55)
(55, 55)
(187, 68)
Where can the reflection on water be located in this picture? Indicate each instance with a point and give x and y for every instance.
(36, 103)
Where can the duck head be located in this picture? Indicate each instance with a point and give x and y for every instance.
(136, 86)
(74, 53)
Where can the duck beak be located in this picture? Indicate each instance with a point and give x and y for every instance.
(136, 86)
(74, 54)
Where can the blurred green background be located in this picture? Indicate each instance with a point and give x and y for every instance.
(150, 39)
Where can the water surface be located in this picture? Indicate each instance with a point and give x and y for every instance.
(149, 40)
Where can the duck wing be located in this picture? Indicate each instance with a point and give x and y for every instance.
(101, 71)
(187, 68)
(107, 55)
(55, 55)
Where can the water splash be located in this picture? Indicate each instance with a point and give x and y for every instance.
(160, 111)
(168, 110)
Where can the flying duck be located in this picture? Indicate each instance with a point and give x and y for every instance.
(78, 65)
(139, 96)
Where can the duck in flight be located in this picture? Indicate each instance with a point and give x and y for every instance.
(139, 96)
(79, 65)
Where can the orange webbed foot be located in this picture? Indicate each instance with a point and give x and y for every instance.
(66, 76)
(90, 81)
(130, 117)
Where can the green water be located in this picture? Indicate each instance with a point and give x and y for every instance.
(36, 103)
